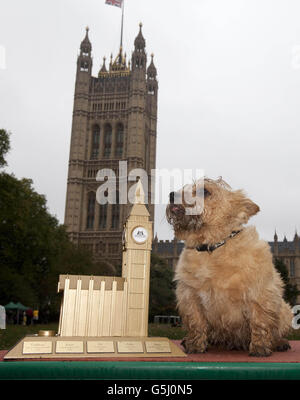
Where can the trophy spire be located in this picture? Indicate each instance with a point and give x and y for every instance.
(139, 194)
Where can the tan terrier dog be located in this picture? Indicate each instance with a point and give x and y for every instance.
(228, 291)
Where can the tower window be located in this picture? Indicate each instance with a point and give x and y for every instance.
(292, 268)
(92, 173)
(119, 140)
(102, 216)
(115, 213)
(91, 210)
(151, 89)
(95, 142)
(107, 140)
(85, 51)
(84, 66)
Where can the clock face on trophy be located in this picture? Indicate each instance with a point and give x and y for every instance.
(140, 234)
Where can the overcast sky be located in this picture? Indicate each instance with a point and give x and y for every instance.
(229, 92)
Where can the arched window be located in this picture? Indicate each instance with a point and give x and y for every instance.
(115, 213)
(119, 140)
(91, 210)
(84, 66)
(95, 142)
(292, 268)
(102, 216)
(107, 140)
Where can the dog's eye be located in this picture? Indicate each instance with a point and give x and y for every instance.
(202, 192)
(206, 192)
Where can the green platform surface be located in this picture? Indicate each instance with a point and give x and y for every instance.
(96, 370)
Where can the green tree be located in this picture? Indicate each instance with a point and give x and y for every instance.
(4, 146)
(290, 290)
(34, 247)
(162, 288)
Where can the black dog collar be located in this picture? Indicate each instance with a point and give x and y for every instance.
(211, 248)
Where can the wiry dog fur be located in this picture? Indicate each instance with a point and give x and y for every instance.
(232, 296)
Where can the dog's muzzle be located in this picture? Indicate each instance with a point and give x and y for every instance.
(176, 209)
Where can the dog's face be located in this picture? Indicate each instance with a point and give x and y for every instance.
(208, 205)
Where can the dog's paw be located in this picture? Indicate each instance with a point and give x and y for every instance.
(259, 351)
(194, 345)
(282, 345)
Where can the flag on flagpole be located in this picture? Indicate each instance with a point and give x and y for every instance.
(117, 3)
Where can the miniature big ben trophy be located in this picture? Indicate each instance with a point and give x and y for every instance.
(136, 265)
(103, 316)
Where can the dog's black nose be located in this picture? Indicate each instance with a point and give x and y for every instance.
(171, 196)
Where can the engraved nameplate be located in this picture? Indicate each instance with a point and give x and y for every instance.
(69, 347)
(157, 347)
(100, 347)
(37, 347)
(130, 347)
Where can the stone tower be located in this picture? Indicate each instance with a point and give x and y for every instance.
(114, 119)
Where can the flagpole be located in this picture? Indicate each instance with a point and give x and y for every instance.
(122, 24)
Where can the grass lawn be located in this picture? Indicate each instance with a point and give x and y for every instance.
(165, 330)
(10, 336)
(13, 333)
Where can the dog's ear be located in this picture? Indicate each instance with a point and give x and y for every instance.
(250, 207)
(247, 209)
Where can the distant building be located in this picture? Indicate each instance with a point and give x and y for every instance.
(287, 251)
(169, 250)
